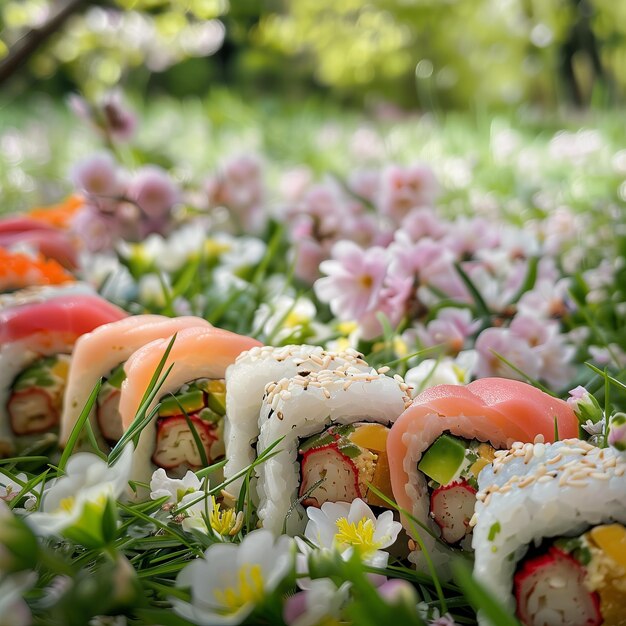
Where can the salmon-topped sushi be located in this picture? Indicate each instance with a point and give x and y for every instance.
(439, 445)
(102, 354)
(194, 390)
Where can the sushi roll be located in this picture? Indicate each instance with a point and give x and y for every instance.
(101, 354)
(550, 536)
(246, 380)
(199, 356)
(334, 425)
(36, 341)
(445, 438)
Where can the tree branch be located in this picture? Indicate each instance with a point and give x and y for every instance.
(23, 49)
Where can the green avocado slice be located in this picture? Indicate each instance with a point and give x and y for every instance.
(442, 460)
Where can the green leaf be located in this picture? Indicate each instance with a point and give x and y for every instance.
(481, 306)
(78, 426)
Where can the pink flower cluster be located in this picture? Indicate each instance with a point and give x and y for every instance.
(120, 204)
(424, 277)
(239, 187)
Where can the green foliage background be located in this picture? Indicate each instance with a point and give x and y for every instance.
(426, 53)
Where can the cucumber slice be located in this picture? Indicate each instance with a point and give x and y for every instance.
(443, 459)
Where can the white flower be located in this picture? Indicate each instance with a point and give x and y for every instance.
(198, 509)
(443, 371)
(320, 603)
(152, 289)
(349, 527)
(13, 609)
(175, 488)
(241, 251)
(284, 317)
(231, 579)
(206, 515)
(78, 499)
(9, 488)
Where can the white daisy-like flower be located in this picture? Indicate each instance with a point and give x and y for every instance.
(231, 579)
(284, 317)
(444, 371)
(175, 488)
(204, 514)
(197, 508)
(321, 603)
(9, 488)
(349, 527)
(77, 500)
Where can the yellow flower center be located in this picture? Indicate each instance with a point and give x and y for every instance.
(459, 372)
(295, 319)
(249, 589)
(366, 281)
(358, 535)
(67, 504)
(222, 522)
(214, 248)
(345, 328)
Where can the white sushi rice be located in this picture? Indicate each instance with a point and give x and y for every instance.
(246, 380)
(538, 491)
(303, 406)
(36, 295)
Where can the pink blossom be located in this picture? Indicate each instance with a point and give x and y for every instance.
(365, 183)
(239, 188)
(96, 230)
(308, 256)
(119, 121)
(353, 281)
(423, 222)
(514, 349)
(392, 303)
(294, 182)
(451, 328)
(98, 176)
(153, 191)
(549, 345)
(405, 188)
(467, 236)
(546, 299)
(430, 263)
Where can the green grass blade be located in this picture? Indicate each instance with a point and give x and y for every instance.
(78, 426)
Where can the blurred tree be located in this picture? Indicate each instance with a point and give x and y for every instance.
(430, 53)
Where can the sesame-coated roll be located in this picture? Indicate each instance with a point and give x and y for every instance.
(549, 534)
(334, 425)
(245, 383)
